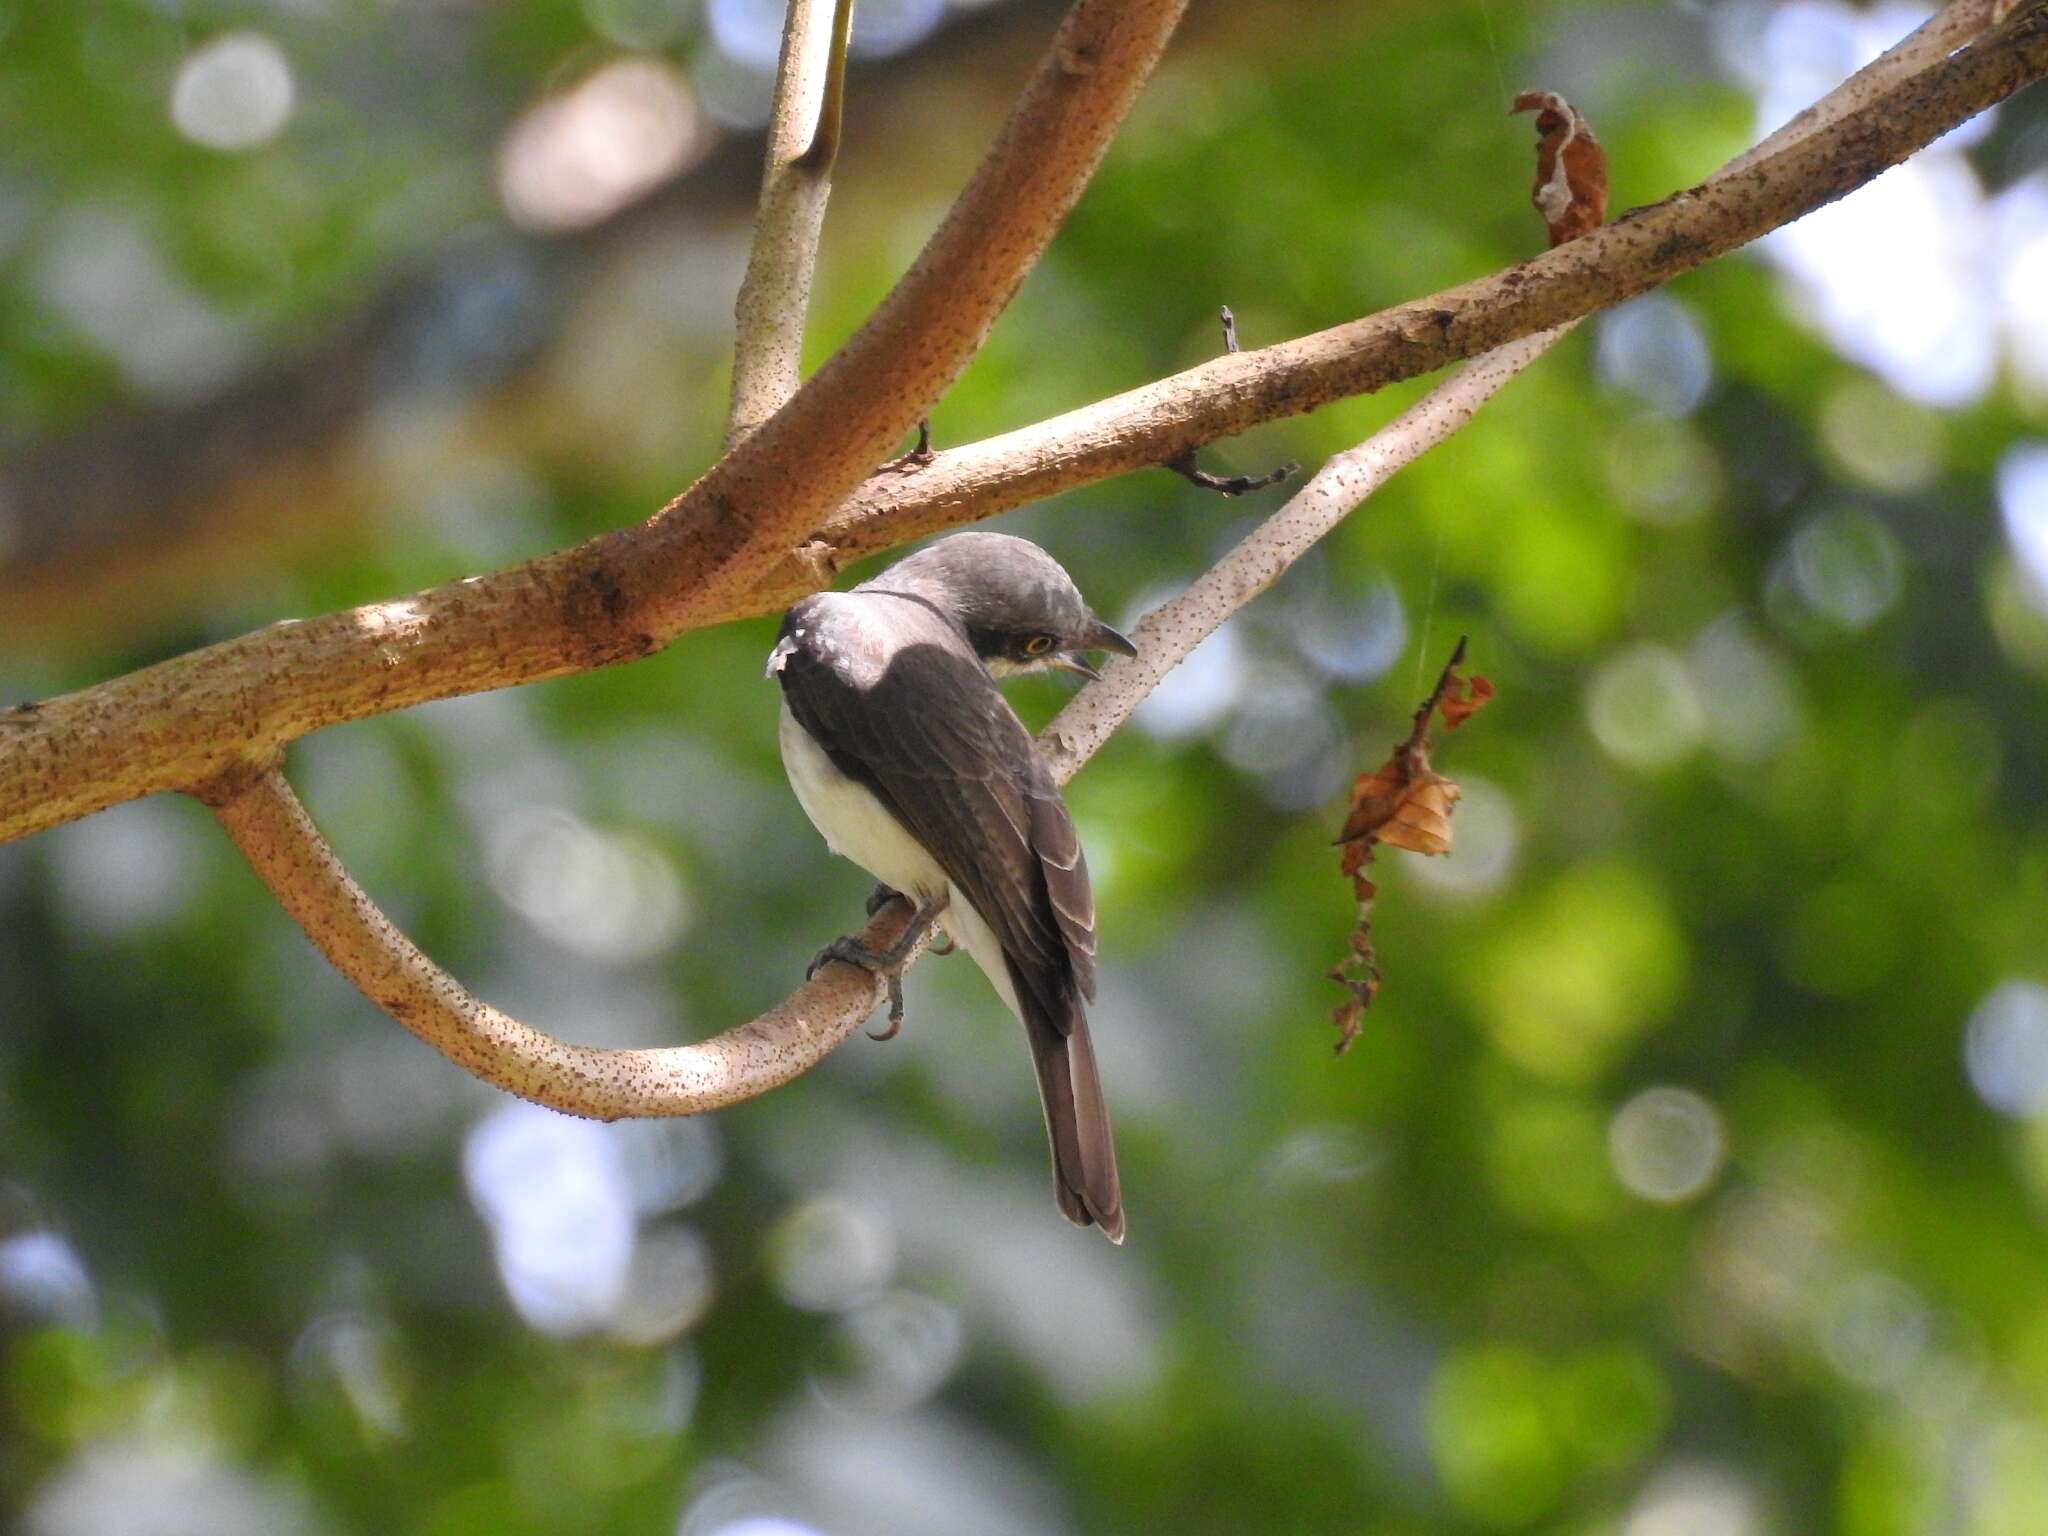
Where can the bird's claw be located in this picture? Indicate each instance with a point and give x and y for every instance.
(895, 982)
(881, 896)
(848, 951)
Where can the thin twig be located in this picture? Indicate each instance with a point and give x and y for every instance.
(796, 183)
(1185, 465)
(824, 147)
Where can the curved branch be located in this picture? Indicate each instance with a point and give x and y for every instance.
(796, 182)
(265, 820)
(188, 720)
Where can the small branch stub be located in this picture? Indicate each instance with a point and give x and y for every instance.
(1185, 466)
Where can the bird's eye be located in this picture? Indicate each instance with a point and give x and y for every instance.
(1038, 645)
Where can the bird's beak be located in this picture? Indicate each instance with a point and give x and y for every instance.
(1070, 661)
(1099, 638)
(1103, 638)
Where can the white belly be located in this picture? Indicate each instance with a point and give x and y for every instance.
(857, 826)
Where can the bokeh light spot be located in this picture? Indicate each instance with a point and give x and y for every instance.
(829, 1253)
(1581, 973)
(1482, 855)
(234, 93)
(582, 155)
(554, 1193)
(1846, 568)
(1492, 1441)
(608, 896)
(1654, 349)
(1882, 439)
(1643, 709)
(2023, 509)
(1664, 472)
(2005, 1049)
(1666, 1145)
(43, 1280)
(1695, 1501)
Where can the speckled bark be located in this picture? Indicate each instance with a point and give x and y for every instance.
(266, 821)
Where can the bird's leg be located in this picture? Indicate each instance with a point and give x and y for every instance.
(885, 963)
(882, 895)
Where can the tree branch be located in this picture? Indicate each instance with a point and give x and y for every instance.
(707, 546)
(185, 721)
(262, 816)
(265, 820)
(796, 182)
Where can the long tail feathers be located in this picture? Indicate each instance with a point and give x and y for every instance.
(1084, 1179)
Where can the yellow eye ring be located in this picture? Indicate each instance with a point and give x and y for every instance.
(1038, 645)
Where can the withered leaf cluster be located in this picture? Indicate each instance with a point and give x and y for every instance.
(1403, 803)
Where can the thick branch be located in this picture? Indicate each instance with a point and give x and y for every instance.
(186, 721)
(697, 555)
(796, 182)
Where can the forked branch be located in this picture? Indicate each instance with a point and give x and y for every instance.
(233, 707)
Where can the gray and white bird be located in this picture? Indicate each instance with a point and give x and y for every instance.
(912, 764)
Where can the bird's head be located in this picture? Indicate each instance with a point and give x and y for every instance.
(1019, 607)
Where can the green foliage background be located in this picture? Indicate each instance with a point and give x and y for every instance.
(1406, 1291)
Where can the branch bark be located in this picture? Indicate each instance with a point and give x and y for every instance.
(234, 706)
(265, 820)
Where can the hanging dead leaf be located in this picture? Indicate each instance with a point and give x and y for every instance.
(1571, 167)
(1462, 703)
(1403, 803)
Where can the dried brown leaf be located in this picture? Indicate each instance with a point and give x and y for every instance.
(1571, 167)
(1462, 703)
(1403, 803)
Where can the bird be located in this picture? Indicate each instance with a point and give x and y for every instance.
(909, 761)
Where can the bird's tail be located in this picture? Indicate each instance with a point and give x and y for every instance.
(1084, 1180)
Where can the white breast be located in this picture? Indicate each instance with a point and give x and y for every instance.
(854, 823)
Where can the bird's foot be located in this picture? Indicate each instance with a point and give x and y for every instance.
(852, 952)
(885, 963)
(881, 896)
